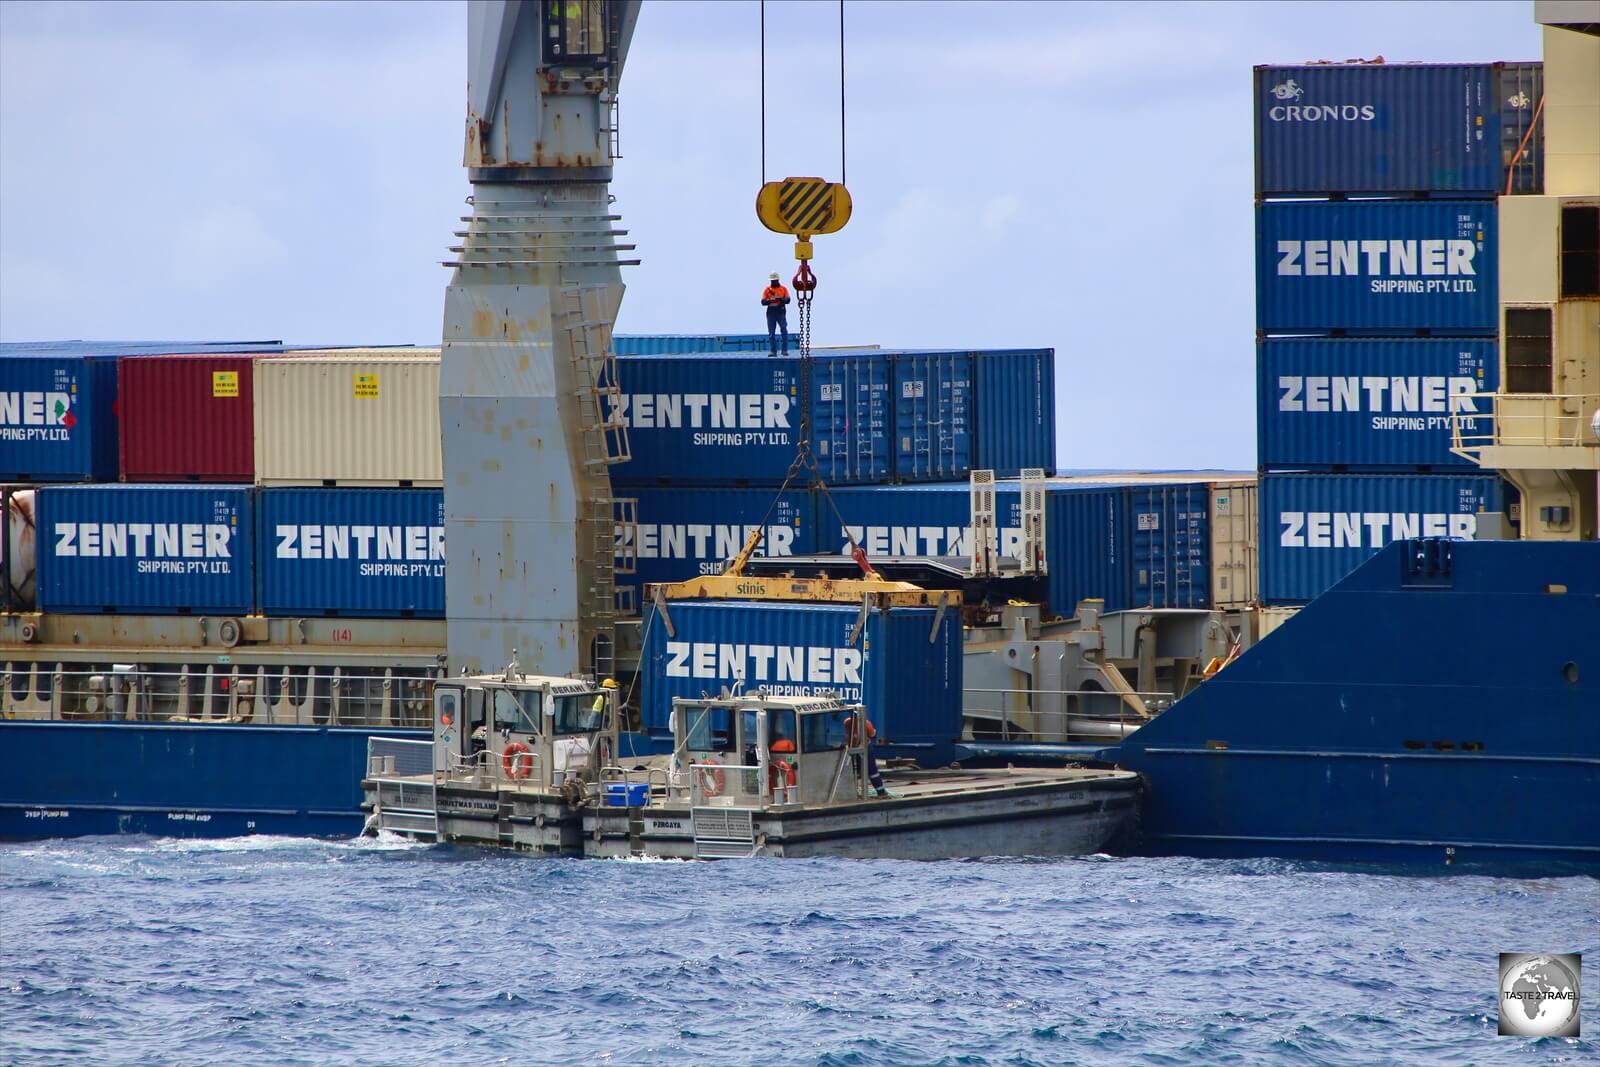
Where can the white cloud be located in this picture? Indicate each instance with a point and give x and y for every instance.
(1072, 175)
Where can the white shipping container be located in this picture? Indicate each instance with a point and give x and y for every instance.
(1234, 534)
(349, 417)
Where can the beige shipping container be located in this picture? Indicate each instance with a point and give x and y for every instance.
(1234, 534)
(348, 417)
(1269, 619)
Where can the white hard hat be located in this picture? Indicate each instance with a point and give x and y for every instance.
(773, 276)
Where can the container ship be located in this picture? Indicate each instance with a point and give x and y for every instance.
(227, 561)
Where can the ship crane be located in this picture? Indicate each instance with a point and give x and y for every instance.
(527, 379)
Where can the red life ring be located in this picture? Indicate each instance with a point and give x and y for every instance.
(516, 761)
(780, 772)
(712, 779)
(603, 751)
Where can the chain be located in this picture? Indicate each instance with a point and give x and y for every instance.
(804, 304)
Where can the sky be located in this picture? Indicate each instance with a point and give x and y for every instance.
(1072, 175)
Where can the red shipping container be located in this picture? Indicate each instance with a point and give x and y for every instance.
(187, 418)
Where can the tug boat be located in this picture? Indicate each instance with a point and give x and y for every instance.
(528, 763)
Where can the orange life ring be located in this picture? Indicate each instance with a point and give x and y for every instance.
(780, 771)
(712, 779)
(516, 761)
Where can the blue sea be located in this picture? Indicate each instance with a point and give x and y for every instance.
(282, 951)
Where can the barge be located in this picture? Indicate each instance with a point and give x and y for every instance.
(527, 763)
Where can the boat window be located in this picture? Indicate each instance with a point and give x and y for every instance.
(781, 737)
(824, 731)
(706, 729)
(580, 713)
(447, 706)
(747, 733)
(511, 713)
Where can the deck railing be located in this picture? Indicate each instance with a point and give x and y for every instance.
(1525, 420)
(258, 696)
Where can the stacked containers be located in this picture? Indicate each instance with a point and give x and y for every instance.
(712, 424)
(1376, 316)
(190, 413)
(361, 426)
(59, 423)
(680, 535)
(59, 404)
(1131, 543)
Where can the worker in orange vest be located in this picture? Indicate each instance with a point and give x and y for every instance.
(775, 298)
(874, 776)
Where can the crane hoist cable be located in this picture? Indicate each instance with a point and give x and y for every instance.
(805, 208)
(805, 462)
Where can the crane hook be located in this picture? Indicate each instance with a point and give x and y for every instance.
(804, 281)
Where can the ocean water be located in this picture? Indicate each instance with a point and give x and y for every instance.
(282, 951)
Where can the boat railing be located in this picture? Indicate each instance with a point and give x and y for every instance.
(399, 757)
(725, 783)
(1058, 715)
(405, 794)
(220, 694)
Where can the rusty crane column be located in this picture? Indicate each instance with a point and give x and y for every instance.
(533, 294)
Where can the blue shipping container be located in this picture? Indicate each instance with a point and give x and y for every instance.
(910, 684)
(1016, 418)
(852, 416)
(1316, 528)
(1380, 129)
(658, 344)
(1169, 530)
(709, 419)
(1136, 545)
(1374, 266)
(734, 420)
(684, 533)
(933, 415)
(355, 552)
(1369, 405)
(58, 418)
(146, 549)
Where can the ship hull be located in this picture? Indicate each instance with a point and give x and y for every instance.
(74, 779)
(1439, 705)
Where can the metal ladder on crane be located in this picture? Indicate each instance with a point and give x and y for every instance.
(609, 523)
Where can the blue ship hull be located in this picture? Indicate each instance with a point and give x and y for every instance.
(1440, 704)
(71, 779)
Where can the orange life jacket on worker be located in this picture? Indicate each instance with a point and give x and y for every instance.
(850, 730)
(775, 291)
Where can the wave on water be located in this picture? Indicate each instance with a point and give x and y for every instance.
(383, 950)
